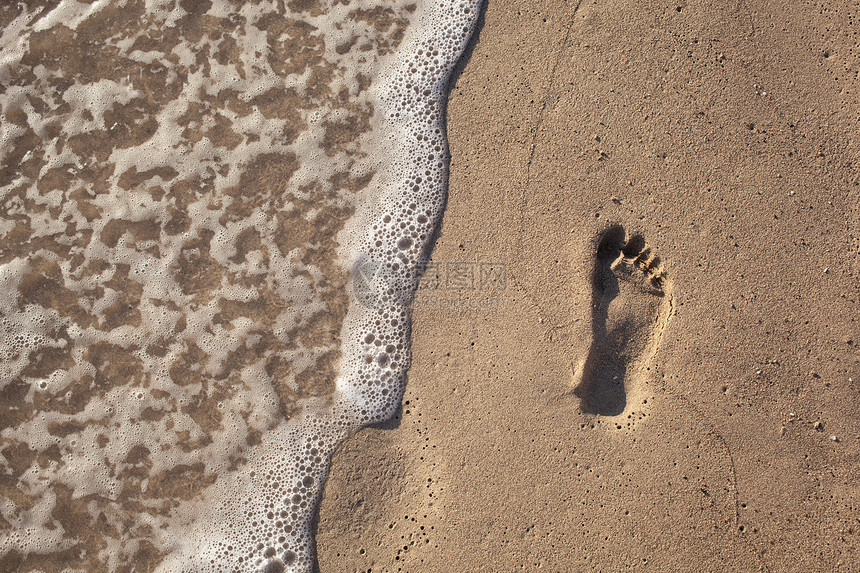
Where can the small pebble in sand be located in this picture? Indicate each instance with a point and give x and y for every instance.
(834, 438)
(818, 426)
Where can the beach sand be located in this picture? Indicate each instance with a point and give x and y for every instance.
(586, 410)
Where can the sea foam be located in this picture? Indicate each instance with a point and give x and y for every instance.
(213, 215)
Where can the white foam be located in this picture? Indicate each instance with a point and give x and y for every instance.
(258, 513)
(391, 235)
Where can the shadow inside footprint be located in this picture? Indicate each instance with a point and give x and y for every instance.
(626, 282)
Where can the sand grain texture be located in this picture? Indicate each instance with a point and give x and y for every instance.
(723, 134)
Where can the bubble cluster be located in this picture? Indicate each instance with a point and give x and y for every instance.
(211, 238)
(385, 242)
(393, 236)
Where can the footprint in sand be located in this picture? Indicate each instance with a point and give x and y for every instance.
(631, 306)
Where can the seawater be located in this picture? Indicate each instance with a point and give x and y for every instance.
(212, 214)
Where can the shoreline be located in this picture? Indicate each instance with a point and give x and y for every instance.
(725, 457)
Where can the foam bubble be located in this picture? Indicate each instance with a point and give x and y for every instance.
(212, 233)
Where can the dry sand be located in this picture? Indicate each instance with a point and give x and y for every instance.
(724, 134)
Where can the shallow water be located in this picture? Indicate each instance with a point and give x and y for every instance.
(186, 189)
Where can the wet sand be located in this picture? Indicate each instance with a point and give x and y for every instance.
(662, 371)
(176, 183)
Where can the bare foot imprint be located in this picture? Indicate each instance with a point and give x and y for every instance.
(631, 306)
